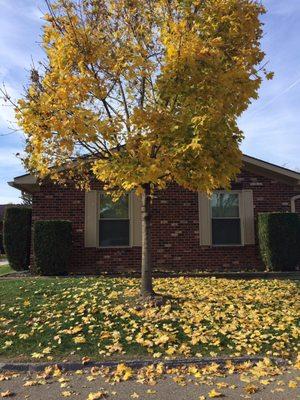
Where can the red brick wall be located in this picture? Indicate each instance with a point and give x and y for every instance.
(175, 229)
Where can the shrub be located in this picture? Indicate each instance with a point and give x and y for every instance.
(1, 243)
(17, 236)
(52, 243)
(279, 240)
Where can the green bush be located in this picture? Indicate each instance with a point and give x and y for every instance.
(17, 236)
(279, 240)
(1, 243)
(52, 243)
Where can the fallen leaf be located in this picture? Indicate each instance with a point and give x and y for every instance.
(293, 384)
(96, 395)
(66, 393)
(213, 394)
(8, 393)
(251, 389)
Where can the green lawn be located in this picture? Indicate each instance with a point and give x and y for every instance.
(70, 318)
(5, 269)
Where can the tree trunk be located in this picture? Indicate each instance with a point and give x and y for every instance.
(146, 284)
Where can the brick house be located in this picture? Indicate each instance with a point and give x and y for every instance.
(189, 230)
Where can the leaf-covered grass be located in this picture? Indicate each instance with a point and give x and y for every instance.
(5, 269)
(101, 317)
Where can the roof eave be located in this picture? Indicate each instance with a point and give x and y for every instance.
(28, 183)
(25, 187)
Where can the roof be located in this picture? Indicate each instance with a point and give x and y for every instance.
(28, 183)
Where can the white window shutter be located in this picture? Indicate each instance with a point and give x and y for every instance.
(248, 216)
(136, 219)
(91, 228)
(204, 219)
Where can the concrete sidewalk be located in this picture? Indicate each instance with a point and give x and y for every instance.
(168, 387)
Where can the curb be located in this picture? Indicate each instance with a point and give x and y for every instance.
(136, 364)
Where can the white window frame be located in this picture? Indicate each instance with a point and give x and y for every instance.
(239, 193)
(293, 203)
(130, 219)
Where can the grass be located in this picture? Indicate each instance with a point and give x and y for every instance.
(5, 269)
(55, 318)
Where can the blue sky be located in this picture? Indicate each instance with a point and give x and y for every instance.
(271, 124)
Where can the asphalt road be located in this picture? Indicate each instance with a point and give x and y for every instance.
(74, 386)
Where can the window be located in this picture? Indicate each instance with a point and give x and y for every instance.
(226, 221)
(114, 223)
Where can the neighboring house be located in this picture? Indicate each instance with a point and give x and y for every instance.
(189, 231)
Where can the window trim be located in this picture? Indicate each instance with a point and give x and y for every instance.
(241, 218)
(130, 219)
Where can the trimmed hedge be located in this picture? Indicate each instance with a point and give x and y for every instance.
(52, 244)
(17, 236)
(279, 240)
(1, 243)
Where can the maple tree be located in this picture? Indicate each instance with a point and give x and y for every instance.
(142, 93)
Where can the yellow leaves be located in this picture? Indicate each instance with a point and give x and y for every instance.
(23, 336)
(293, 384)
(297, 362)
(7, 393)
(122, 373)
(142, 88)
(97, 395)
(251, 389)
(74, 330)
(171, 350)
(54, 371)
(151, 391)
(34, 383)
(47, 350)
(200, 316)
(86, 360)
(162, 339)
(113, 295)
(66, 393)
(37, 355)
(79, 339)
(214, 394)
(265, 368)
(221, 385)
(265, 382)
